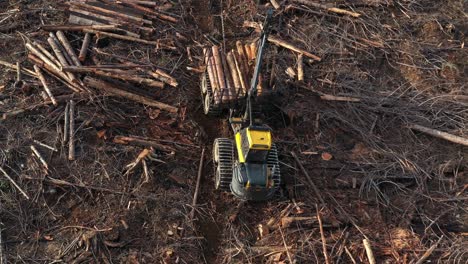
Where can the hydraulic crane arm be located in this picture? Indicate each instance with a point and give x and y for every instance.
(258, 65)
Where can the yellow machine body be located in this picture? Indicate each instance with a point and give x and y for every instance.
(251, 141)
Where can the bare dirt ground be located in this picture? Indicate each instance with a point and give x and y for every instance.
(404, 191)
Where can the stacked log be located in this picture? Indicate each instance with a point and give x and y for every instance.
(230, 74)
(125, 20)
(61, 61)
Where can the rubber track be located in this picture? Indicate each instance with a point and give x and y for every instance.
(225, 161)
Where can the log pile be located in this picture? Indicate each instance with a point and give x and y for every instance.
(60, 60)
(230, 74)
(130, 18)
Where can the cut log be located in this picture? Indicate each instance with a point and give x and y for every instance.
(62, 60)
(13, 66)
(19, 76)
(14, 184)
(66, 44)
(260, 250)
(327, 8)
(46, 60)
(61, 48)
(57, 75)
(243, 60)
(229, 81)
(66, 123)
(300, 67)
(253, 50)
(45, 85)
(240, 72)
(39, 156)
(128, 38)
(234, 74)
(197, 186)
(112, 90)
(123, 75)
(211, 73)
(148, 11)
(76, 19)
(78, 27)
(290, 72)
(71, 140)
(369, 252)
(47, 53)
(216, 84)
(275, 4)
(164, 77)
(84, 47)
(105, 67)
(110, 13)
(287, 45)
(220, 72)
(309, 180)
(142, 142)
(249, 54)
(303, 220)
(439, 134)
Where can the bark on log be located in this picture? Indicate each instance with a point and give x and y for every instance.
(122, 75)
(153, 12)
(84, 47)
(287, 45)
(13, 66)
(128, 38)
(440, 134)
(105, 67)
(216, 84)
(243, 79)
(197, 186)
(66, 123)
(164, 77)
(58, 52)
(300, 67)
(229, 81)
(275, 4)
(66, 44)
(46, 60)
(14, 184)
(243, 60)
(260, 250)
(77, 28)
(327, 8)
(74, 19)
(19, 78)
(248, 52)
(71, 140)
(142, 142)
(211, 73)
(61, 48)
(45, 85)
(219, 70)
(234, 74)
(47, 53)
(109, 88)
(111, 13)
(66, 81)
(253, 50)
(309, 179)
(369, 252)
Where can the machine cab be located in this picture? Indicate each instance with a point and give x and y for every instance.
(253, 144)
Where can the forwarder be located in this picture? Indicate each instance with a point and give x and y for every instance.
(247, 166)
